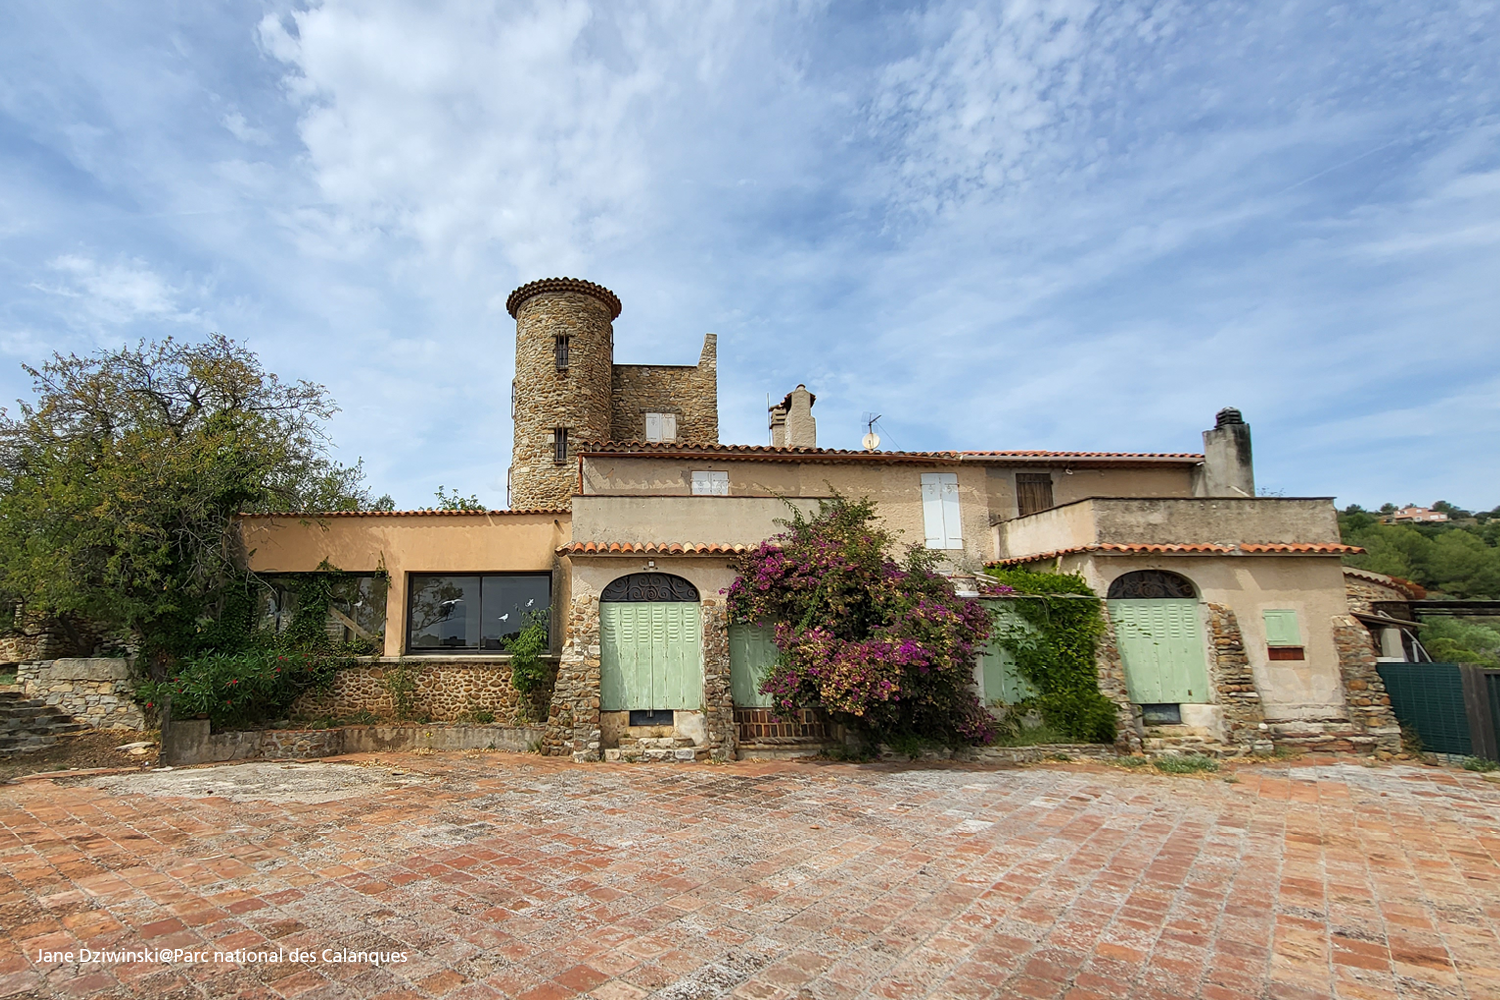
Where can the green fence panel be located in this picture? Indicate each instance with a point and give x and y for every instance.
(1429, 697)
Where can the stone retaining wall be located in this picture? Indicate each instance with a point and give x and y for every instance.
(95, 690)
(190, 742)
(447, 690)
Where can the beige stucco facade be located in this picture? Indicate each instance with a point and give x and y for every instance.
(1250, 585)
(411, 542)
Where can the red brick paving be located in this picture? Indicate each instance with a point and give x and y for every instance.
(509, 876)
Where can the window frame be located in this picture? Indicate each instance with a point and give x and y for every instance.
(559, 446)
(560, 349)
(941, 508)
(662, 417)
(413, 586)
(711, 478)
(1033, 480)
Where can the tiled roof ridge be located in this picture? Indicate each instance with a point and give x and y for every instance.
(654, 548)
(526, 291)
(1210, 548)
(403, 513)
(1196, 456)
(611, 447)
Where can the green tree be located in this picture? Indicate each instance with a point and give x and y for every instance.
(1458, 560)
(1454, 640)
(455, 501)
(119, 485)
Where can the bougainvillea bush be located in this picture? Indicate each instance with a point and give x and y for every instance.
(882, 646)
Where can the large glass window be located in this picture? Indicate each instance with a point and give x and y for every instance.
(473, 612)
(356, 604)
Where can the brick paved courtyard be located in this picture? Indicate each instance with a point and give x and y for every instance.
(517, 876)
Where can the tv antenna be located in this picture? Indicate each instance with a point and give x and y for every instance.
(871, 439)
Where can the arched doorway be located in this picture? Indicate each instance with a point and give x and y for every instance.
(1160, 637)
(649, 659)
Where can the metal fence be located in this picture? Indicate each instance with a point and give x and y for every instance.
(1453, 707)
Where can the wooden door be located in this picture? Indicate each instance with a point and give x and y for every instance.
(1161, 646)
(752, 653)
(649, 656)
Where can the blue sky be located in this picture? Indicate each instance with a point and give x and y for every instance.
(1065, 225)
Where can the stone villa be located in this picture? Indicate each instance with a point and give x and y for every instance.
(1230, 625)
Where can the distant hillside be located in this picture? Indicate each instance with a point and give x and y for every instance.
(1457, 558)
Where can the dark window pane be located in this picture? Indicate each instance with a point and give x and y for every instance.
(560, 445)
(508, 601)
(562, 352)
(444, 612)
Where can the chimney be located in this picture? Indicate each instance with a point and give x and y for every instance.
(1228, 470)
(792, 423)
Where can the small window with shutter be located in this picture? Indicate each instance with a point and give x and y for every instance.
(710, 484)
(661, 427)
(1283, 635)
(940, 510)
(1033, 492)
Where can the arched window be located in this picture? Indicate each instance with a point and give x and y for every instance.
(649, 587)
(1149, 584)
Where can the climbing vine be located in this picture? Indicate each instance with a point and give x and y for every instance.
(529, 673)
(272, 640)
(1054, 639)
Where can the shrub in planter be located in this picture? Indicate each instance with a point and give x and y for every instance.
(234, 689)
(882, 646)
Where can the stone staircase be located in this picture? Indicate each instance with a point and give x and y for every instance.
(1323, 736)
(1162, 740)
(657, 748)
(28, 724)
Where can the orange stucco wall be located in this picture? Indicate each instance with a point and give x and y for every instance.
(402, 544)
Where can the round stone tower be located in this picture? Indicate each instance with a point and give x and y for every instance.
(561, 395)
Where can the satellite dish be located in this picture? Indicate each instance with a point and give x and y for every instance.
(871, 441)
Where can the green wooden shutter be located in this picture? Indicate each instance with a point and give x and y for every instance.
(649, 656)
(752, 653)
(1000, 678)
(1282, 629)
(1161, 647)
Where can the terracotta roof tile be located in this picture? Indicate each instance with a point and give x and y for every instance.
(1184, 456)
(652, 548)
(770, 453)
(526, 291)
(404, 513)
(1204, 548)
(1318, 549)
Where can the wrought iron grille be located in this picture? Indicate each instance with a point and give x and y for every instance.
(1148, 584)
(639, 587)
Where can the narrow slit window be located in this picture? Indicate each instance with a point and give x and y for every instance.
(561, 348)
(560, 445)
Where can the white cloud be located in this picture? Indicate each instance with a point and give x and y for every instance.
(244, 131)
(115, 293)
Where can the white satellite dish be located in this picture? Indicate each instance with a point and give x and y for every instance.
(871, 441)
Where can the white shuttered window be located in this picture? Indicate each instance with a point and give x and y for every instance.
(940, 510)
(661, 427)
(710, 484)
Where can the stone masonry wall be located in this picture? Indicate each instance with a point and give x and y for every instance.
(1361, 593)
(691, 392)
(718, 696)
(1112, 685)
(1364, 691)
(573, 718)
(1234, 684)
(546, 398)
(448, 690)
(96, 690)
